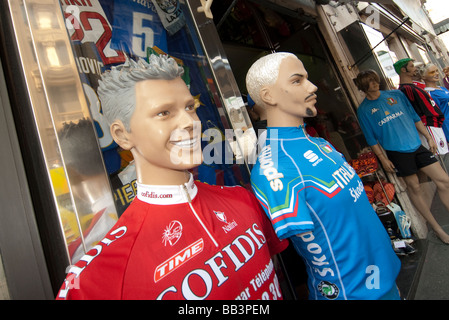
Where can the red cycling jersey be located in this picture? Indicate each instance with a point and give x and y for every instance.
(193, 241)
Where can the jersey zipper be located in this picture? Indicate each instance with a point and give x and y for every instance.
(196, 215)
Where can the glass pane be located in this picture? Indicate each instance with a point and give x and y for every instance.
(81, 191)
(247, 37)
(103, 34)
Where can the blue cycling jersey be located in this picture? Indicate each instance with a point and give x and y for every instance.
(312, 196)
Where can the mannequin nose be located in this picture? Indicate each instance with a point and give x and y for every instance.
(187, 120)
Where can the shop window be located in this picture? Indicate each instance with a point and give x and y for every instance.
(246, 37)
(103, 34)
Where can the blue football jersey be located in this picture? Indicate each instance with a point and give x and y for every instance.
(383, 118)
(136, 27)
(315, 198)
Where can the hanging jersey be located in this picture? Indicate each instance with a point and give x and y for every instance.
(193, 241)
(90, 32)
(137, 27)
(313, 197)
(423, 104)
(383, 118)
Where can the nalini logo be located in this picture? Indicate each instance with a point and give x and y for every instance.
(220, 216)
(312, 157)
(228, 225)
(172, 233)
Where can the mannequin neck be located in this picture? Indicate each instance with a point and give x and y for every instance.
(431, 84)
(405, 78)
(282, 119)
(372, 95)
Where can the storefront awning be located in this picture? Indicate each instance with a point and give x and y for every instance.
(442, 26)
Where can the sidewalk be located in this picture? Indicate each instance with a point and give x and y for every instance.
(424, 275)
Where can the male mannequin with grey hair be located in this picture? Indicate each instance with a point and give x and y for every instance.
(178, 239)
(312, 196)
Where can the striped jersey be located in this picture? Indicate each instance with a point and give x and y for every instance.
(312, 196)
(425, 107)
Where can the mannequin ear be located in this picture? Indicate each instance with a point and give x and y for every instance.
(120, 135)
(265, 95)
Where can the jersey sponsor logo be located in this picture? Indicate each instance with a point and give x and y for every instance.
(357, 192)
(319, 261)
(199, 283)
(328, 290)
(228, 225)
(343, 175)
(432, 103)
(154, 195)
(312, 157)
(75, 272)
(269, 171)
(178, 259)
(389, 117)
(172, 233)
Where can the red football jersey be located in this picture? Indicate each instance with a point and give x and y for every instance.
(193, 241)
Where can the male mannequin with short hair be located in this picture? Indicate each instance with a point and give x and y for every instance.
(311, 194)
(178, 239)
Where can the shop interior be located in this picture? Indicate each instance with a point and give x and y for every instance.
(248, 31)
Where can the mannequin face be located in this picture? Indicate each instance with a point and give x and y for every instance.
(409, 69)
(373, 86)
(293, 94)
(162, 134)
(431, 75)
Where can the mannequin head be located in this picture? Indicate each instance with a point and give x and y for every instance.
(429, 74)
(368, 81)
(406, 70)
(278, 82)
(152, 113)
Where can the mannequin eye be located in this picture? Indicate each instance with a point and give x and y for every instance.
(297, 79)
(163, 114)
(192, 106)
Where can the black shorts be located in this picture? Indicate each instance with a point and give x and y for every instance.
(407, 164)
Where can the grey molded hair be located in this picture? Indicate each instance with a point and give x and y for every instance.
(422, 70)
(116, 86)
(264, 72)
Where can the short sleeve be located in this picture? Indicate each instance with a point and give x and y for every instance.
(286, 208)
(366, 126)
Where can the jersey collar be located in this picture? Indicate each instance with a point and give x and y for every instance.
(167, 195)
(275, 133)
